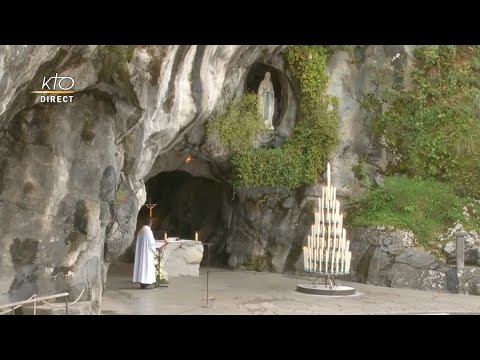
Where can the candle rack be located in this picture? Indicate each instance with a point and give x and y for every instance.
(327, 252)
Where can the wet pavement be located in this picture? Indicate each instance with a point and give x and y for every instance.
(248, 292)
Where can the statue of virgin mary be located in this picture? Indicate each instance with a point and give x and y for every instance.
(266, 100)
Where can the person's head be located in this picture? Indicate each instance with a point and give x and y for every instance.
(267, 75)
(148, 222)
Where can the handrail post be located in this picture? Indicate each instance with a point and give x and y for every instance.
(34, 308)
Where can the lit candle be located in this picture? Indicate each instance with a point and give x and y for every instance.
(165, 236)
(196, 235)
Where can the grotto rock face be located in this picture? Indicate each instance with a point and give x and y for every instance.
(359, 78)
(72, 175)
(268, 229)
(269, 233)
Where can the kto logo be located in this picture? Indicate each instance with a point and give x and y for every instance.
(56, 89)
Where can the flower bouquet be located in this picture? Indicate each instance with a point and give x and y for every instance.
(161, 275)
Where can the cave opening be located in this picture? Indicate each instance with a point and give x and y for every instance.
(186, 204)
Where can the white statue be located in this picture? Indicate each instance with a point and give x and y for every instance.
(266, 100)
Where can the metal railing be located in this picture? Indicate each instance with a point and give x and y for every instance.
(34, 299)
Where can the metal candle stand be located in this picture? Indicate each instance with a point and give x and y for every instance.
(207, 299)
(327, 252)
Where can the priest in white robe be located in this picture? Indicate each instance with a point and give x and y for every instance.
(144, 267)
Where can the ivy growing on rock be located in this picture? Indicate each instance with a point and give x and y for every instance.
(300, 160)
(433, 125)
(239, 125)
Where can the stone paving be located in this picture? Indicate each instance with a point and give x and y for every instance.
(257, 293)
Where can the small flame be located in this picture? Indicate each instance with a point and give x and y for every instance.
(189, 159)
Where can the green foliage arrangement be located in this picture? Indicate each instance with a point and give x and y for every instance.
(427, 207)
(434, 123)
(300, 160)
(239, 125)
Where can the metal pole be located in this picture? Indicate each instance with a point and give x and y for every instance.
(35, 308)
(208, 272)
(208, 268)
(66, 304)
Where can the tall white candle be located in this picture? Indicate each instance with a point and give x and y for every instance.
(327, 256)
(196, 235)
(323, 199)
(334, 227)
(328, 174)
(304, 259)
(329, 236)
(332, 259)
(312, 262)
(337, 269)
(320, 259)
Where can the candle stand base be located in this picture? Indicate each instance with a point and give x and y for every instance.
(338, 290)
(329, 288)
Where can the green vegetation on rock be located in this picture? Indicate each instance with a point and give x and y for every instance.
(239, 125)
(427, 207)
(433, 124)
(300, 160)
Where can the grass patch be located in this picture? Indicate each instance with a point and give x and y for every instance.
(426, 207)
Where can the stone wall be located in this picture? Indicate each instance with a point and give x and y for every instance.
(388, 257)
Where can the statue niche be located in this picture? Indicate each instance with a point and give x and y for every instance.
(266, 100)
